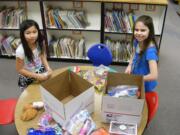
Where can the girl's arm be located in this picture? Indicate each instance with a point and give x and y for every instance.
(45, 63)
(20, 69)
(153, 75)
(129, 67)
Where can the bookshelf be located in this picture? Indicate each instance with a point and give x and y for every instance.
(71, 27)
(78, 24)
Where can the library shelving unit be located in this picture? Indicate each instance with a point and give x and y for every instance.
(72, 26)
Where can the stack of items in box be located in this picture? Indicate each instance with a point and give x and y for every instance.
(97, 76)
(124, 91)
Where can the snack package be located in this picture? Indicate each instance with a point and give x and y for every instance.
(80, 124)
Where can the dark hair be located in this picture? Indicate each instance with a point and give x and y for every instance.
(148, 22)
(27, 50)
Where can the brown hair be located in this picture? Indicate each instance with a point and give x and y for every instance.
(147, 21)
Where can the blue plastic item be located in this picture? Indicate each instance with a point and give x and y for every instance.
(100, 54)
(33, 131)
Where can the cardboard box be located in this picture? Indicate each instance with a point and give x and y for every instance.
(123, 109)
(65, 94)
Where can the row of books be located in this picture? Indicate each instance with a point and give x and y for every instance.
(67, 47)
(121, 49)
(57, 18)
(8, 44)
(119, 21)
(11, 17)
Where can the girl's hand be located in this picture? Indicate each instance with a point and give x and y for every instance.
(42, 77)
(49, 71)
(128, 69)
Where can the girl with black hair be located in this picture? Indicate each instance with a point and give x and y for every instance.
(145, 57)
(31, 62)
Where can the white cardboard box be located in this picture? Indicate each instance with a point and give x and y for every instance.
(66, 94)
(123, 109)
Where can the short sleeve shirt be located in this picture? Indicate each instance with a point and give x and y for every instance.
(141, 67)
(30, 66)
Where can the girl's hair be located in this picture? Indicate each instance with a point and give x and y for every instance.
(27, 50)
(148, 22)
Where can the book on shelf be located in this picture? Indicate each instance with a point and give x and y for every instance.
(119, 21)
(71, 47)
(50, 46)
(71, 15)
(81, 16)
(11, 17)
(67, 47)
(8, 44)
(51, 21)
(66, 19)
(56, 49)
(126, 22)
(59, 21)
(81, 47)
(59, 18)
(121, 49)
(132, 19)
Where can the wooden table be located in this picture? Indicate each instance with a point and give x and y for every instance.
(32, 93)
